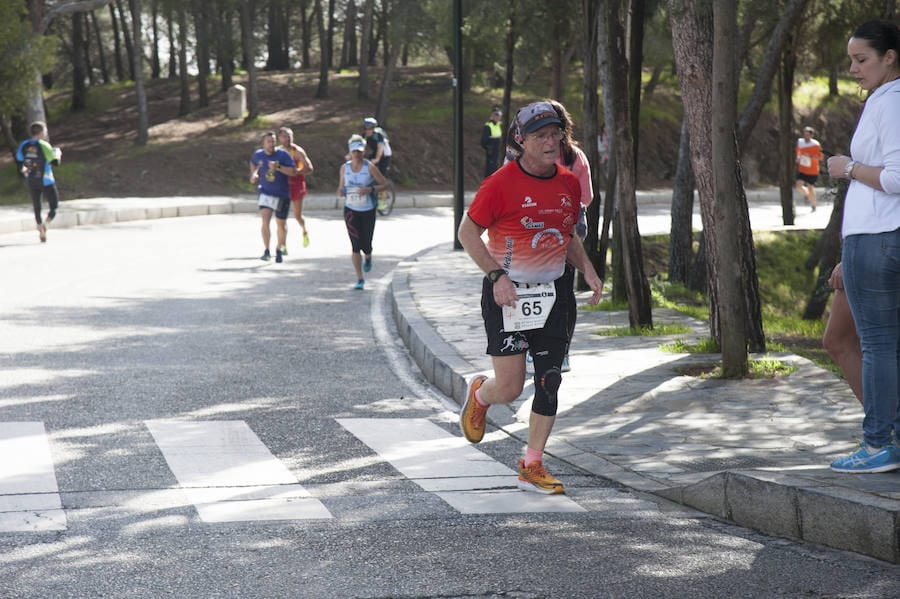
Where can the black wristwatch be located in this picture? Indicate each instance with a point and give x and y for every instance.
(495, 275)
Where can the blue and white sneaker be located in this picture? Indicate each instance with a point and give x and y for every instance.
(565, 364)
(529, 364)
(865, 460)
(360, 284)
(367, 264)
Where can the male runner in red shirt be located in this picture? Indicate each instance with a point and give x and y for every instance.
(529, 209)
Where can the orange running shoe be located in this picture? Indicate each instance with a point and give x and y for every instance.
(472, 414)
(536, 479)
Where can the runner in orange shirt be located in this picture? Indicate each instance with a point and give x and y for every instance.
(809, 154)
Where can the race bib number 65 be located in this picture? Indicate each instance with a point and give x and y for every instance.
(533, 305)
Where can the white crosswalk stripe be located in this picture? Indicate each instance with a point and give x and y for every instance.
(226, 472)
(29, 495)
(449, 466)
(230, 475)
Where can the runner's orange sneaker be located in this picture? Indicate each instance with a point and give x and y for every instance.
(472, 414)
(536, 479)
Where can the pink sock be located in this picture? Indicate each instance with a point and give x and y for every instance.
(478, 399)
(532, 456)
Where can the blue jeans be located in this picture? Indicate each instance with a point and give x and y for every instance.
(872, 282)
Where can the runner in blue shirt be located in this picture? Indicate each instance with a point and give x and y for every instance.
(270, 167)
(35, 158)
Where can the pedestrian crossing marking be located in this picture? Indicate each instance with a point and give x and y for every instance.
(29, 495)
(450, 467)
(229, 475)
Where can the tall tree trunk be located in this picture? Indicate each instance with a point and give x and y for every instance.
(399, 18)
(591, 110)
(330, 34)
(557, 85)
(681, 235)
(79, 88)
(692, 25)
(385, 30)
(101, 53)
(324, 48)
(276, 38)
(305, 32)
(143, 120)
(184, 106)
(155, 66)
(249, 51)
(724, 119)
(787, 141)
(173, 45)
(635, 68)
(86, 49)
(636, 284)
(348, 46)
(201, 30)
(362, 91)
(117, 44)
(127, 38)
(223, 33)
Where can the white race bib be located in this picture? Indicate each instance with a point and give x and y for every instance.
(805, 160)
(533, 305)
(356, 199)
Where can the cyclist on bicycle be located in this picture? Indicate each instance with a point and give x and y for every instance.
(378, 146)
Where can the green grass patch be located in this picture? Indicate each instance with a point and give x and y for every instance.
(764, 368)
(657, 330)
(705, 345)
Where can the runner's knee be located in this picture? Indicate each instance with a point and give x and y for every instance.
(546, 391)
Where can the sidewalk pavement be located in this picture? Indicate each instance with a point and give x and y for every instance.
(755, 452)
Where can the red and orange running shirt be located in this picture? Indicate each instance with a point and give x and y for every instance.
(809, 153)
(529, 220)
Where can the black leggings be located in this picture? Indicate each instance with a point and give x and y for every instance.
(36, 187)
(360, 229)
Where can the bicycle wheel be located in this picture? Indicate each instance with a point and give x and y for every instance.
(386, 204)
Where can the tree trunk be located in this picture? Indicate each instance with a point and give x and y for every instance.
(330, 34)
(591, 109)
(79, 89)
(826, 255)
(787, 142)
(400, 20)
(101, 53)
(86, 50)
(557, 84)
(348, 45)
(681, 231)
(305, 33)
(117, 45)
(635, 69)
(185, 87)
(692, 25)
(724, 151)
(636, 284)
(362, 91)
(155, 65)
(173, 47)
(384, 29)
(322, 90)
(143, 121)
(276, 38)
(224, 35)
(201, 31)
(250, 51)
(126, 37)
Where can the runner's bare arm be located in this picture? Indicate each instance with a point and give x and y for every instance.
(578, 257)
(470, 238)
(254, 173)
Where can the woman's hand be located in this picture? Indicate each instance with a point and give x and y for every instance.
(837, 167)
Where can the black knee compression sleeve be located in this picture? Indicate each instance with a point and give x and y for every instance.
(545, 391)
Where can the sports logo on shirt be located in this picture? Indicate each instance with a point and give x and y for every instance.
(547, 238)
(565, 201)
(529, 203)
(529, 223)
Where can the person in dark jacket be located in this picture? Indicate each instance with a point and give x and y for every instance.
(491, 136)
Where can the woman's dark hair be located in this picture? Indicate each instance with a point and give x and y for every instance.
(881, 35)
(567, 143)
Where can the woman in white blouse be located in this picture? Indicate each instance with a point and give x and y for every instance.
(871, 248)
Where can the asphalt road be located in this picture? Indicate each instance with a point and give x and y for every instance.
(107, 332)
